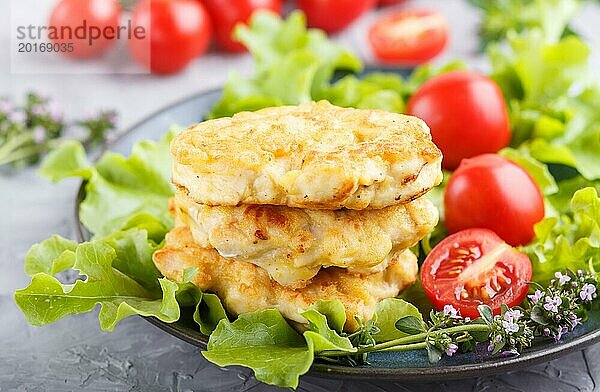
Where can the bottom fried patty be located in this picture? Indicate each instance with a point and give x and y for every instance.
(244, 287)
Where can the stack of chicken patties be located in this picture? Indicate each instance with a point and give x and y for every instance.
(286, 206)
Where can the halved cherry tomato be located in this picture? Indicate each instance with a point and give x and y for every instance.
(409, 37)
(475, 267)
(466, 113)
(493, 192)
(333, 15)
(225, 14)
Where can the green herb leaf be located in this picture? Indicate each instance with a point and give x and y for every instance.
(387, 313)
(410, 325)
(264, 342)
(486, 313)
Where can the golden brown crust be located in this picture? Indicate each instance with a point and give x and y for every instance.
(244, 287)
(314, 155)
(292, 244)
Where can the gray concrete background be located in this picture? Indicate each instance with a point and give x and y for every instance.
(73, 354)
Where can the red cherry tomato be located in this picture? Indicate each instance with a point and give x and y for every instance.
(389, 2)
(492, 192)
(475, 267)
(409, 37)
(177, 31)
(102, 16)
(466, 113)
(333, 15)
(225, 14)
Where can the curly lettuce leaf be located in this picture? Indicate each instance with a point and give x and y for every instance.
(118, 188)
(51, 256)
(552, 100)
(570, 241)
(46, 299)
(209, 312)
(502, 16)
(264, 342)
(292, 64)
(387, 312)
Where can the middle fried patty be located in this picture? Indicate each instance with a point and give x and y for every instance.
(244, 287)
(293, 244)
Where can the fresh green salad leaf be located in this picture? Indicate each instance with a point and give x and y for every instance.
(292, 64)
(322, 336)
(502, 16)
(46, 300)
(553, 104)
(264, 342)
(334, 311)
(571, 241)
(209, 311)
(52, 256)
(118, 188)
(387, 313)
(134, 256)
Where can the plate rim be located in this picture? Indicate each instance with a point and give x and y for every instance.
(406, 374)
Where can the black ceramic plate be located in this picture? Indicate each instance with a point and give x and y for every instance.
(406, 366)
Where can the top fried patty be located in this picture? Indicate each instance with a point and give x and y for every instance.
(314, 155)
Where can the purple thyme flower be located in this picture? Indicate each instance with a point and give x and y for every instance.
(39, 134)
(562, 279)
(552, 304)
(17, 117)
(38, 110)
(510, 327)
(588, 292)
(451, 349)
(512, 315)
(6, 106)
(537, 296)
(575, 321)
(55, 113)
(451, 311)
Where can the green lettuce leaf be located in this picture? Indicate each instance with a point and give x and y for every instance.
(321, 335)
(292, 64)
(134, 257)
(264, 342)
(387, 313)
(570, 241)
(51, 256)
(209, 311)
(46, 299)
(334, 311)
(118, 188)
(502, 16)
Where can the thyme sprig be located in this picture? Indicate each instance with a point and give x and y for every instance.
(547, 313)
(36, 127)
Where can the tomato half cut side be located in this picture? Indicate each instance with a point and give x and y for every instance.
(409, 37)
(475, 267)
